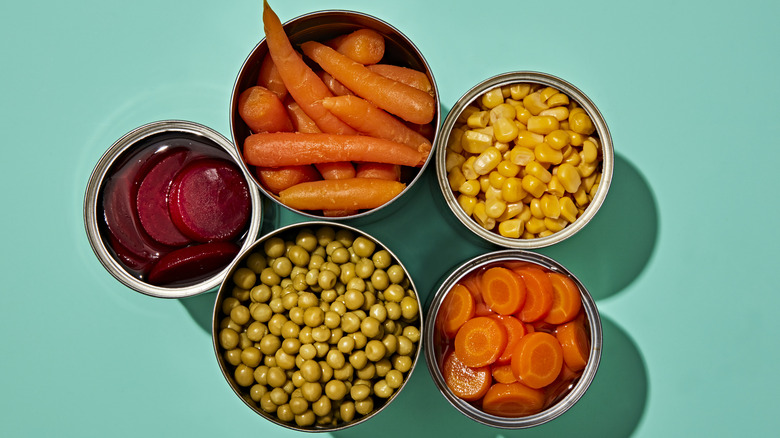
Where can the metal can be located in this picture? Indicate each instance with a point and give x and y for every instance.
(546, 80)
(434, 347)
(138, 141)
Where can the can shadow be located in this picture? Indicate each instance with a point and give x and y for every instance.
(612, 407)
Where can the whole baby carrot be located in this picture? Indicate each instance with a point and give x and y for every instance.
(365, 46)
(300, 120)
(341, 194)
(406, 102)
(262, 110)
(290, 148)
(335, 87)
(409, 76)
(270, 79)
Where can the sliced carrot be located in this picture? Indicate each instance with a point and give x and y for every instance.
(336, 170)
(456, 308)
(467, 383)
(502, 373)
(537, 359)
(472, 282)
(503, 290)
(365, 46)
(529, 328)
(539, 296)
(341, 194)
(514, 330)
(269, 78)
(574, 344)
(335, 87)
(406, 102)
(262, 110)
(405, 75)
(276, 179)
(480, 341)
(290, 148)
(300, 120)
(512, 400)
(390, 172)
(367, 118)
(566, 299)
(302, 83)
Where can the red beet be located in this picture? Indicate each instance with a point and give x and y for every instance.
(152, 199)
(209, 200)
(192, 262)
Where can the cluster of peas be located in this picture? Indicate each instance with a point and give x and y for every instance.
(524, 160)
(319, 329)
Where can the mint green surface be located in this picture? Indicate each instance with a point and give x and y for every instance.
(682, 259)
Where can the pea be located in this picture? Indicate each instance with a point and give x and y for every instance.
(382, 259)
(305, 335)
(290, 300)
(322, 349)
(393, 310)
(244, 278)
(346, 344)
(402, 363)
(289, 329)
(244, 341)
(233, 356)
(335, 359)
(325, 235)
(344, 373)
(316, 261)
(228, 338)
(269, 361)
(364, 268)
(394, 379)
(307, 299)
(347, 411)
(269, 277)
(291, 346)
(266, 404)
(380, 280)
(396, 274)
(369, 327)
(340, 255)
(298, 255)
(261, 375)
(394, 293)
(335, 334)
(298, 405)
(359, 392)
(409, 308)
(283, 360)
(285, 413)
(378, 312)
(257, 391)
(278, 396)
(367, 372)
(308, 351)
(335, 390)
(383, 366)
(322, 406)
(412, 333)
(311, 391)
(306, 240)
(228, 304)
(274, 247)
(405, 346)
(365, 406)
(339, 307)
(243, 375)
(363, 246)
(320, 334)
(260, 293)
(382, 389)
(275, 324)
(298, 362)
(251, 357)
(350, 322)
(353, 299)
(329, 296)
(277, 305)
(375, 350)
(305, 419)
(360, 339)
(390, 326)
(296, 315)
(276, 377)
(256, 262)
(239, 293)
(313, 316)
(327, 371)
(391, 344)
(358, 359)
(269, 344)
(311, 371)
(326, 279)
(356, 283)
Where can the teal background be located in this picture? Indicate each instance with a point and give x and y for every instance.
(682, 258)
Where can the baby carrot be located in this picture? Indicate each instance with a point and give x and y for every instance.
(406, 102)
(262, 110)
(368, 119)
(269, 78)
(539, 296)
(405, 75)
(467, 383)
(290, 148)
(502, 373)
(390, 172)
(300, 120)
(512, 400)
(302, 83)
(515, 330)
(335, 87)
(537, 359)
(340, 194)
(574, 343)
(566, 299)
(456, 308)
(276, 179)
(336, 170)
(503, 290)
(365, 46)
(480, 341)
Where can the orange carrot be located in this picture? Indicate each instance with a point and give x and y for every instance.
(480, 341)
(269, 78)
(427, 130)
(405, 75)
(302, 83)
(289, 148)
(338, 213)
(502, 373)
(276, 179)
(514, 330)
(537, 359)
(335, 87)
(503, 290)
(473, 283)
(574, 343)
(368, 119)
(300, 120)
(539, 296)
(512, 400)
(262, 110)
(406, 102)
(336, 170)
(456, 308)
(365, 46)
(467, 383)
(390, 172)
(341, 194)
(566, 299)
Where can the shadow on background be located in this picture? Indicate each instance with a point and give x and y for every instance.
(614, 248)
(612, 406)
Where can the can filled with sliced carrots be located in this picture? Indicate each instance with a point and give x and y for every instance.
(514, 339)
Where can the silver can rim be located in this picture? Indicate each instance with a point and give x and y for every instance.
(92, 194)
(605, 137)
(554, 411)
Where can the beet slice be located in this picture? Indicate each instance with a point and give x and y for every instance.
(209, 200)
(152, 199)
(192, 262)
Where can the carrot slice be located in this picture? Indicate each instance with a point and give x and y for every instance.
(409, 76)
(269, 78)
(514, 330)
(365, 46)
(390, 172)
(341, 194)
(537, 359)
(574, 344)
(512, 400)
(276, 179)
(262, 110)
(397, 98)
(473, 283)
(503, 290)
(539, 296)
(480, 341)
(502, 373)
(566, 299)
(467, 383)
(456, 308)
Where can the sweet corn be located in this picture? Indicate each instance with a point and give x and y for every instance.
(454, 142)
(453, 159)
(537, 170)
(480, 216)
(535, 225)
(512, 190)
(505, 91)
(519, 91)
(511, 228)
(493, 98)
(545, 233)
(494, 207)
(496, 179)
(589, 151)
(581, 197)
(523, 114)
(467, 203)
(521, 155)
(514, 102)
(474, 142)
(467, 169)
(478, 119)
(589, 181)
(487, 160)
(558, 99)
(572, 158)
(455, 178)
(502, 147)
(525, 213)
(546, 154)
(527, 235)
(536, 208)
(569, 177)
(576, 138)
(470, 187)
(528, 139)
(534, 103)
(546, 93)
(493, 193)
(505, 130)
(463, 117)
(567, 151)
(568, 209)
(580, 122)
(557, 139)
(513, 209)
(503, 110)
(561, 113)
(554, 187)
(542, 124)
(551, 206)
(555, 224)
(533, 185)
(586, 169)
(484, 183)
(507, 168)
(593, 190)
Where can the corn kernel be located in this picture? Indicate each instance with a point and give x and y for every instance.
(505, 130)
(534, 103)
(496, 179)
(576, 138)
(502, 147)
(545, 233)
(515, 103)
(520, 126)
(523, 114)
(503, 110)
(455, 178)
(484, 183)
(512, 190)
(567, 151)
(558, 99)
(536, 169)
(512, 228)
(573, 158)
(453, 159)
(493, 98)
(487, 160)
(513, 209)
(590, 151)
(568, 209)
(593, 190)
(525, 213)
(527, 235)
(521, 155)
(478, 119)
(474, 142)
(542, 124)
(555, 224)
(467, 169)
(481, 217)
(519, 91)
(467, 203)
(533, 185)
(550, 206)
(569, 177)
(554, 187)
(463, 117)
(581, 197)
(557, 139)
(493, 193)
(546, 93)
(561, 113)
(536, 208)
(507, 168)
(495, 207)
(586, 169)
(545, 154)
(470, 188)
(580, 122)
(528, 139)
(454, 142)
(505, 91)
(589, 181)
(535, 225)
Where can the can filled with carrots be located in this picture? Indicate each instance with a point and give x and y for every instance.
(514, 339)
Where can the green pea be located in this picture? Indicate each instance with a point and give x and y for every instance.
(233, 356)
(305, 419)
(402, 363)
(345, 345)
(369, 326)
(326, 279)
(251, 357)
(244, 278)
(275, 324)
(283, 360)
(380, 280)
(307, 299)
(335, 390)
(391, 343)
(345, 373)
(240, 294)
(382, 389)
(307, 351)
(240, 315)
(266, 404)
(365, 406)
(375, 350)
(269, 344)
(276, 377)
(305, 335)
(364, 268)
(405, 346)
(311, 391)
(228, 338)
(322, 406)
(340, 255)
(394, 293)
(358, 359)
(260, 293)
(285, 413)
(256, 391)
(412, 333)
(356, 283)
(256, 262)
(394, 379)
(329, 295)
(396, 274)
(298, 405)
(316, 261)
(347, 411)
(261, 375)
(335, 359)
(353, 299)
(282, 266)
(278, 396)
(313, 316)
(269, 277)
(409, 308)
(298, 255)
(363, 246)
(243, 375)
(274, 247)
(339, 307)
(306, 240)
(291, 346)
(325, 235)
(382, 259)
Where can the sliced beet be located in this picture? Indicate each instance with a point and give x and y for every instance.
(192, 262)
(152, 199)
(209, 200)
